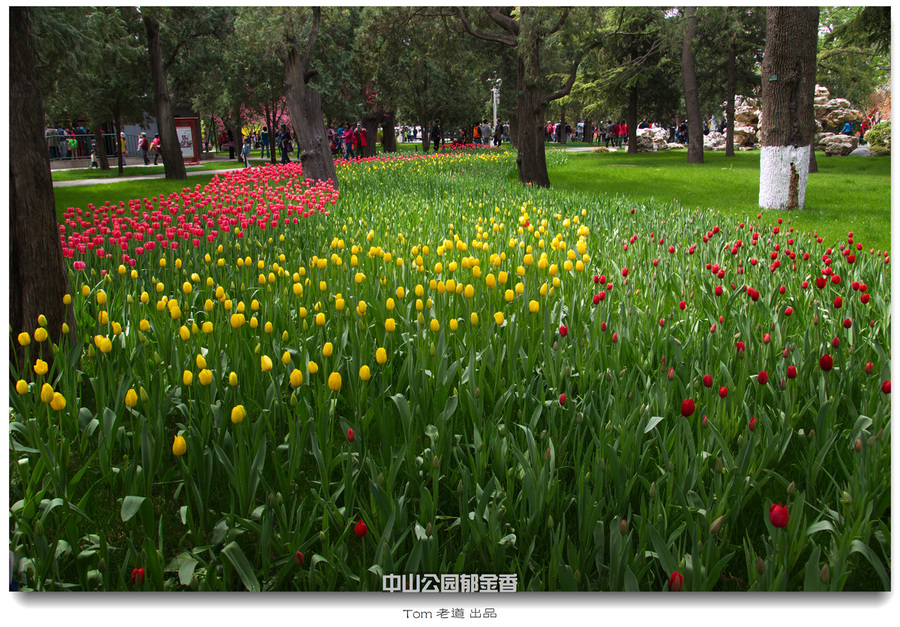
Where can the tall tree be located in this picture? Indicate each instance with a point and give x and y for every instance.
(528, 30)
(691, 96)
(787, 124)
(37, 273)
(170, 147)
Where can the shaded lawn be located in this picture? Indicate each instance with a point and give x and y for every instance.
(847, 194)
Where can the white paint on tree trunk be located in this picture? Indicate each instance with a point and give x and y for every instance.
(775, 175)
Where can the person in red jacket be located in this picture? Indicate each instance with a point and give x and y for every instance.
(361, 140)
(623, 134)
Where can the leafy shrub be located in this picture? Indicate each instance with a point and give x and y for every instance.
(879, 137)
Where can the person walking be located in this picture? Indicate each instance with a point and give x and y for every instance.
(286, 146)
(264, 143)
(144, 147)
(245, 152)
(436, 135)
(361, 138)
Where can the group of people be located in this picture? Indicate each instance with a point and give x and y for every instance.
(347, 142)
(66, 143)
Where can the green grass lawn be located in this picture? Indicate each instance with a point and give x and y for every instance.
(847, 194)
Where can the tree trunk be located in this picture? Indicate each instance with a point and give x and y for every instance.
(691, 94)
(370, 122)
(562, 139)
(588, 133)
(813, 164)
(37, 270)
(270, 117)
(531, 160)
(787, 124)
(170, 147)
(117, 137)
(514, 130)
(101, 148)
(308, 121)
(729, 101)
(389, 132)
(632, 120)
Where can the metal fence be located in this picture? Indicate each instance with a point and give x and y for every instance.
(62, 148)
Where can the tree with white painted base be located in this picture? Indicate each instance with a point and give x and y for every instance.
(787, 124)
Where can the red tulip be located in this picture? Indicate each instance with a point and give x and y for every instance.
(778, 514)
(596, 299)
(752, 425)
(740, 347)
(137, 577)
(766, 338)
(838, 301)
(682, 305)
(792, 372)
(707, 380)
(615, 338)
(360, 529)
(687, 407)
(723, 391)
(350, 435)
(848, 323)
(676, 582)
(869, 367)
(763, 377)
(298, 559)
(562, 398)
(826, 362)
(886, 387)
(864, 298)
(662, 322)
(624, 271)
(563, 330)
(820, 282)
(788, 311)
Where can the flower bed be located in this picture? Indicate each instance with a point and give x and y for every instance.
(279, 386)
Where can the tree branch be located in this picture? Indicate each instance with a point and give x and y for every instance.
(505, 22)
(496, 38)
(307, 55)
(562, 20)
(565, 89)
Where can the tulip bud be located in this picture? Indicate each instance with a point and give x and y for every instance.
(547, 454)
(550, 522)
(825, 574)
(671, 466)
(436, 463)
(871, 441)
(477, 392)
(428, 530)
(38, 528)
(760, 566)
(579, 418)
(653, 490)
(792, 488)
(623, 527)
(858, 445)
(671, 375)
(741, 440)
(298, 559)
(846, 499)
(720, 465)
(812, 434)
(271, 501)
(705, 422)
(716, 525)
(879, 434)
(602, 464)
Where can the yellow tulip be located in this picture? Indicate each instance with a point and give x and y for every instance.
(232, 379)
(435, 325)
(205, 377)
(47, 393)
(296, 377)
(313, 367)
(533, 306)
(21, 386)
(454, 324)
(238, 414)
(101, 297)
(474, 319)
(320, 319)
(381, 356)
(40, 367)
(390, 325)
(498, 318)
(40, 334)
(24, 339)
(364, 373)
(185, 333)
(187, 377)
(286, 358)
(105, 345)
(58, 402)
(334, 382)
(207, 327)
(237, 320)
(328, 349)
(265, 363)
(131, 398)
(179, 446)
